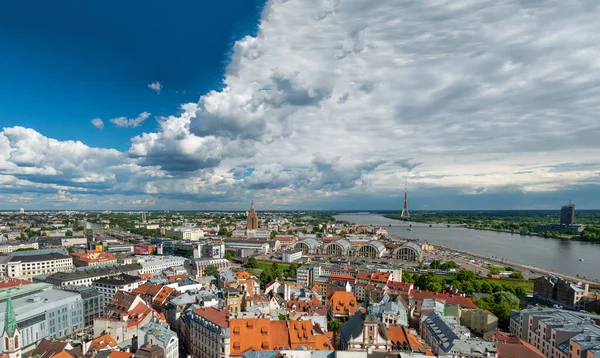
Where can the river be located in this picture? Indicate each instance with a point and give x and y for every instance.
(551, 254)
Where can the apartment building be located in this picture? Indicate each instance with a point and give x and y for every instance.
(86, 276)
(205, 332)
(28, 266)
(558, 333)
(109, 286)
(157, 264)
(570, 295)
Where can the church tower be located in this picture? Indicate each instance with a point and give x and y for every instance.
(252, 221)
(11, 336)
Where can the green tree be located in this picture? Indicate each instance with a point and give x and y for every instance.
(252, 263)
(517, 275)
(210, 270)
(228, 255)
(334, 326)
(69, 233)
(520, 291)
(465, 275)
(500, 304)
(273, 234)
(449, 265)
(292, 271)
(435, 264)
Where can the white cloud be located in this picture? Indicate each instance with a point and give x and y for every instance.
(98, 123)
(339, 98)
(155, 86)
(125, 122)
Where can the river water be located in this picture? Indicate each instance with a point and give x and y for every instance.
(551, 254)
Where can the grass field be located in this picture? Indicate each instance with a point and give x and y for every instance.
(264, 265)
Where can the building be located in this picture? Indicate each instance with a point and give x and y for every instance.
(408, 251)
(567, 214)
(109, 286)
(93, 302)
(43, 314)
(200, 265)
(150, 351)
(364, 330)
(93, 258)
(205, 332)
(11, 246)
(417, 297)
(157, 264)
(478, 320)
(126, 313)
(252, 220)
(446, 336)
(308, 246)
(555, 290)
(292, 255)
(26, 267)
(305, 274)
(392, 311)
(86, 276)
(342, 304)
(157, 334)
(516, 347)
(372, 249)
(186, 233)
(61, 241)
(261, 247)
(11, 335)
(338, 248)
(558, 333)
(264, 334)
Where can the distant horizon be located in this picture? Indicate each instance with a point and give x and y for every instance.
(345, 211)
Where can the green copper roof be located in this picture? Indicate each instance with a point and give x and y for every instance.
(10, 318)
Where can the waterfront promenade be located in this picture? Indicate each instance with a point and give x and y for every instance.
(537, 270)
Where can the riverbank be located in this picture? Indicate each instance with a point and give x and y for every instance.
(537, 270)
(512, 232)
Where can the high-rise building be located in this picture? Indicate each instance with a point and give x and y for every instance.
(567, 215)
(252, 222)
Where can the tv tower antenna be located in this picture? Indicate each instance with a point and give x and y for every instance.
(405, 213)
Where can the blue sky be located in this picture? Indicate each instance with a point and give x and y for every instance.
(317, 104)
(70, 61)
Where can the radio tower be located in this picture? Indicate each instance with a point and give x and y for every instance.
(405, 213)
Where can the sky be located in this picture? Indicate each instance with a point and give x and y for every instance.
(299, 104)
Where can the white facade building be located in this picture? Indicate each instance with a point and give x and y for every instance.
(157, 264)
(109, 286)
(158, 334)
(26, 267)
(291, 256)
(185, 233)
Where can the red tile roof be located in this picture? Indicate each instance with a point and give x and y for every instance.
(339, 277)
(343, 302)
(218, 317)
(517, 348)
(102, 342)
(449, 298)
(12, 282)
(400, 286)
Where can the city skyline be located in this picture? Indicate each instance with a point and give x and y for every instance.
(300, 105)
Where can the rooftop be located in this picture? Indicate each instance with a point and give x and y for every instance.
(161, 332)
(93, 272)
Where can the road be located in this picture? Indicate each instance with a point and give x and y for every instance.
(532, 269)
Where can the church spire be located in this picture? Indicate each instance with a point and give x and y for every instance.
(10, 317)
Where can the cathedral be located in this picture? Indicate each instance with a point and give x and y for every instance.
(252, 222)
(11, 336)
